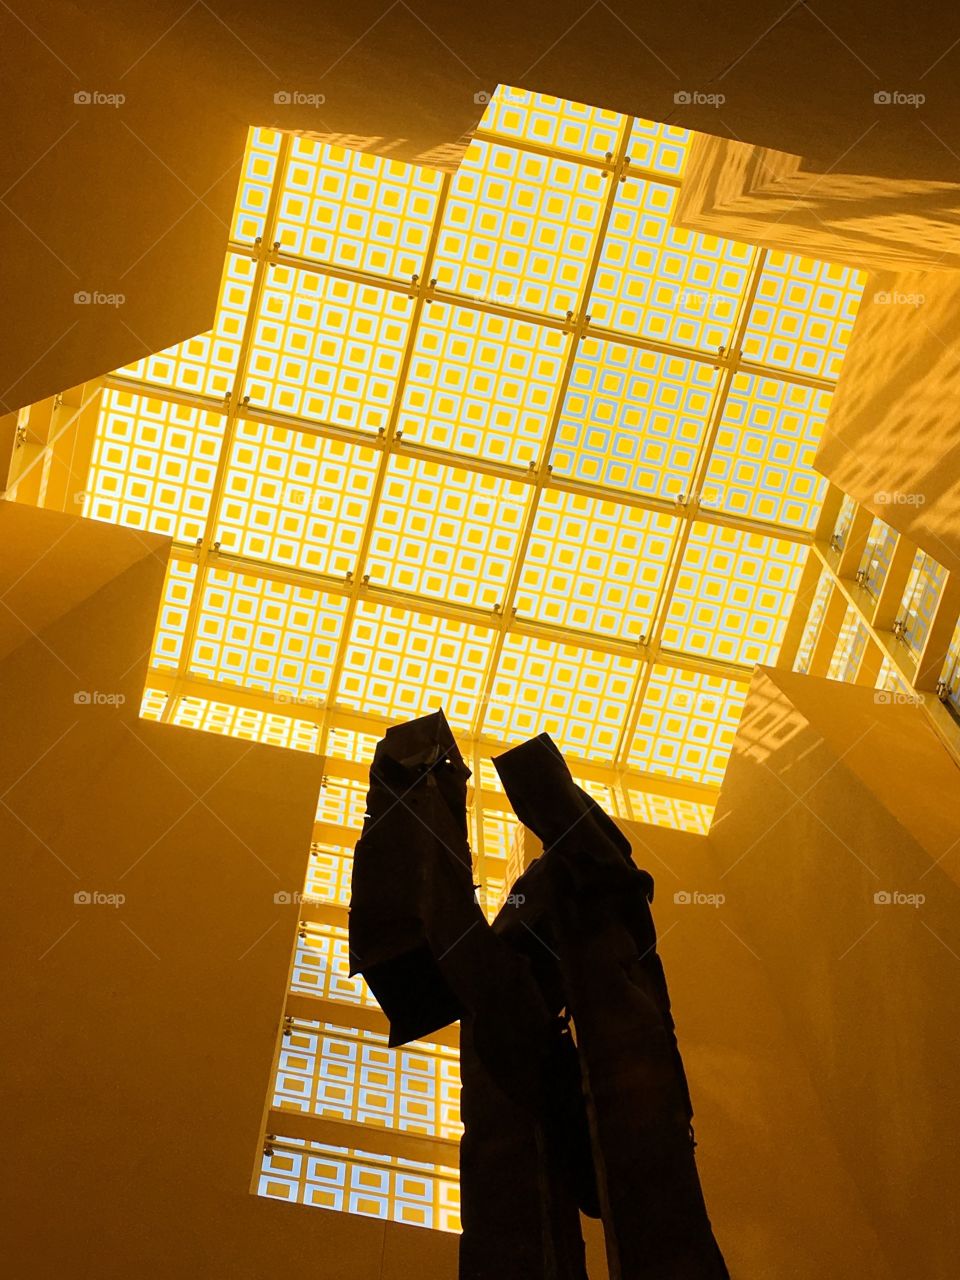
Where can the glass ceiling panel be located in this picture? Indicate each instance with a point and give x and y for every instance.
(296, 499)
(733, 595)
(401, 665)
(519, 229)
(660, 282)
(178, 590)
(278, 730)
(355, 209)
(660, 147)
(153, 465)
(544, 121)
(633, 419)
(803, 314)
(256, 183)
(761, 464)
(579, 696)
(481, 384)
(595, 565)
(266, 635)
(328, 350)
(446, 533)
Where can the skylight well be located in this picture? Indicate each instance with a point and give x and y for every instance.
(506, 441)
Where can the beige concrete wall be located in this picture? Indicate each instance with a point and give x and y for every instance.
(754, 194)
(813, 821)
(783, 1203)
(892, 438)
(137, 1039)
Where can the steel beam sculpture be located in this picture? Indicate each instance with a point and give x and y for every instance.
(557, 1122)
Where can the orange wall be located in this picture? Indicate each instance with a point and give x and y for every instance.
(137, 1039)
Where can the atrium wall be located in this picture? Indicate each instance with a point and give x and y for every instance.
(138, 1038)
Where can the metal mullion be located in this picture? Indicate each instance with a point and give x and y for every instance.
(616, 171)
(730, 368)
(800, 611)
(678, 510)
(859, 599)
(659, 618)
(389, 437)
(270, 571)
(694, 354)
(465, 462)
(233, 408)
(333, 271)
(168, 395)
(937, 642)
(590, 162)
(677, 660)
(787, 375)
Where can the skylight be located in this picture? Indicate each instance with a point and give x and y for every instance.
(505, 441)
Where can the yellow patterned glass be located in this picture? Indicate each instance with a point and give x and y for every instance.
(345, 1180)
(544, 121)
(153, 465)
(401, 665)
(668, 811)
(733, 595)
(595, 565)
(326, 349)
(178, 590)
(446, 533)
(633, 419)
(256, 183)
(519, 229)
(687, 724)
(761, 464)
(803, 314)
(206, 365)
(278, 730)
(296, 499)
(356, 210)
(482, 384)
(660, 282)
(660, 148)
(579, 696)
(267, 635)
